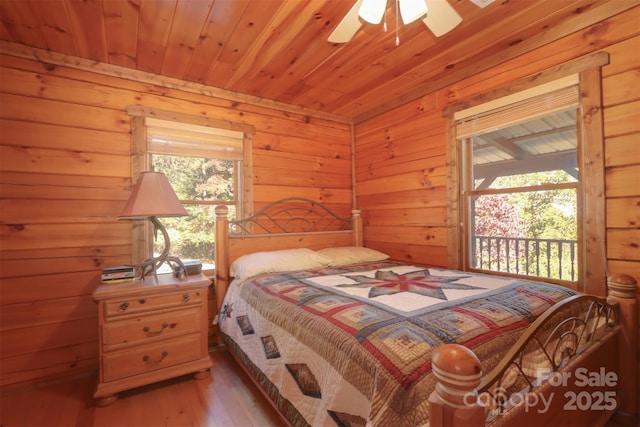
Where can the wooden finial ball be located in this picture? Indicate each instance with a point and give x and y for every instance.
(622, 278)
(622, 286)
(221, 211)
(456, 366)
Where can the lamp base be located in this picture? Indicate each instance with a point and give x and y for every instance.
(152, 265)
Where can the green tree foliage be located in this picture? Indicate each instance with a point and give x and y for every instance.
(551, 214)
(539, 223)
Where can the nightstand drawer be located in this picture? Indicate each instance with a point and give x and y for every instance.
(151, 327)
(140, 360)
(133, 305)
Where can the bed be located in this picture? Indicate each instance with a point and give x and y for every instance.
(336, 334)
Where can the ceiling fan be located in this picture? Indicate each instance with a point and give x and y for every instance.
(438, 15)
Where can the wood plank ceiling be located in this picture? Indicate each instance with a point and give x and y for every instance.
(277, 50)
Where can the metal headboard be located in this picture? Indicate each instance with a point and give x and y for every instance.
(291, 215)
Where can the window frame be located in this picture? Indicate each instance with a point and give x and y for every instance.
(142, 238)
(591, 189)
(539, 101)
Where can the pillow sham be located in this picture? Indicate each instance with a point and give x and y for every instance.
(345, 255)
(277, 261)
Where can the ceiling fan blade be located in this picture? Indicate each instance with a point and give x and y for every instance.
(348, 27)
(482, 3)
(441, 17)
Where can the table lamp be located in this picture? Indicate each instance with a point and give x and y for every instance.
(151, 198)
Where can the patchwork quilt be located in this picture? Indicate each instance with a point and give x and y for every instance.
(352, 346)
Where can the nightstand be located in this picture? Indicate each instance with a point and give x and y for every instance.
(151, 330)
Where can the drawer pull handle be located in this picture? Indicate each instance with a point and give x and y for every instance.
(151, 333)
(185, 297)
(124, 306)
(148, 360)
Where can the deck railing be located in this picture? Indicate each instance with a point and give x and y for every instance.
(544, 258)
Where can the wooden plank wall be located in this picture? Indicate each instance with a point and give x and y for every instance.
(401, 181)
(65, 165)
(65, 174)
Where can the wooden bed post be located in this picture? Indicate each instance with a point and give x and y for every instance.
(221, 255)
(623, 291)
(358, 239)
(454, 402)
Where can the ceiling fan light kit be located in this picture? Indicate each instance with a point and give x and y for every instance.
(372, 11)
(438, 15)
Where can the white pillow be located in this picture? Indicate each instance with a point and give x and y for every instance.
(345, 255)
(277, 261)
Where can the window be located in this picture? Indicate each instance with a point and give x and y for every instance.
(519, 185)
(206, 167)
(590, 251)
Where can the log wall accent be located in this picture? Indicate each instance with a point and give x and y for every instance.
(65, 161)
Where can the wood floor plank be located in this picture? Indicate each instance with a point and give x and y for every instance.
(226, 399)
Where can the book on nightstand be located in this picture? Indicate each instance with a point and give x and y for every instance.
(118, 274)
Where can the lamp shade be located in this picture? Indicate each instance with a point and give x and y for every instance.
(152, 196)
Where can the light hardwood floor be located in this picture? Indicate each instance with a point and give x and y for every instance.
(226, 399)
